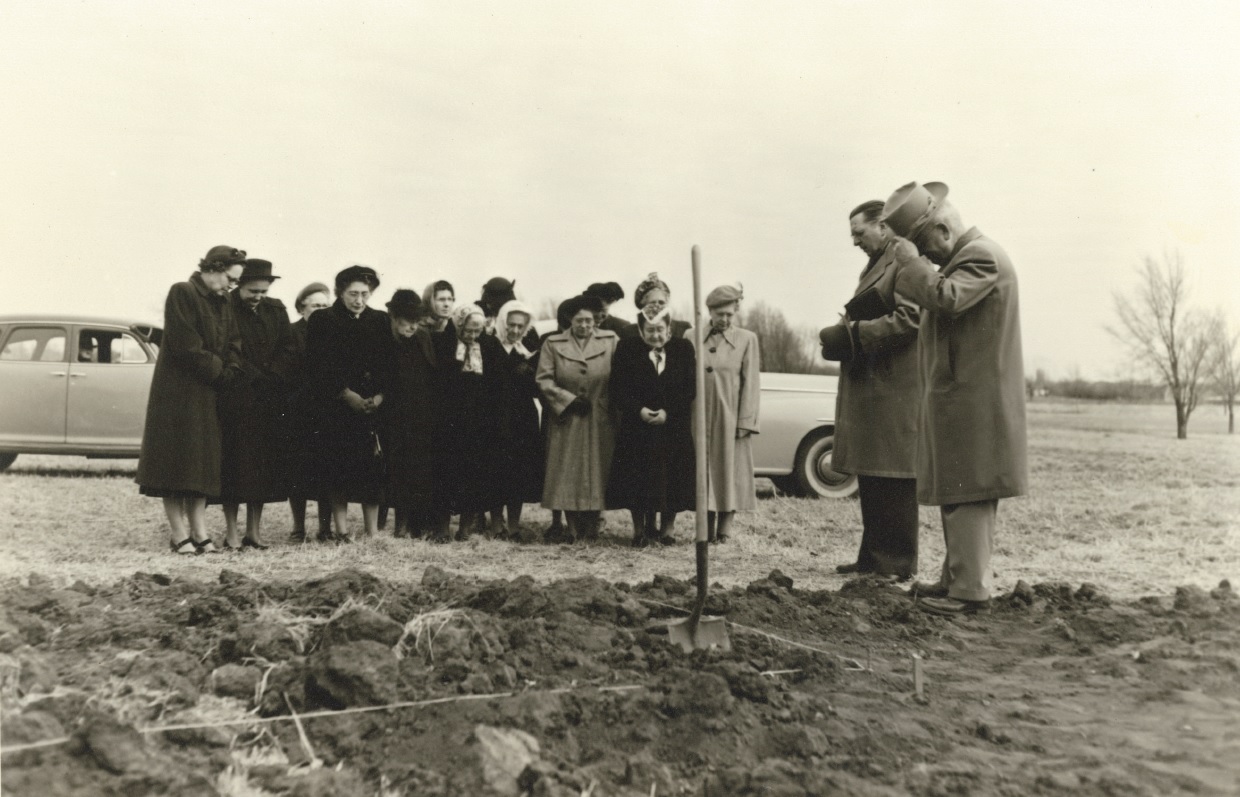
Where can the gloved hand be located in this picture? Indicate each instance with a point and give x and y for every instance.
(578, 406)
(837, 342)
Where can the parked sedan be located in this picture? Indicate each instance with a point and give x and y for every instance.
(74, 385)
(798, 435)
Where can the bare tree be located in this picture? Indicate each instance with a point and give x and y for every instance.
(1224, 365)
(1163, 335)
(782, 348)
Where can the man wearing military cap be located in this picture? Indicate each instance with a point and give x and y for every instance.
(971, 448)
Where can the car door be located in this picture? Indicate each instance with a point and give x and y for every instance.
(109, 380)
(34, 385)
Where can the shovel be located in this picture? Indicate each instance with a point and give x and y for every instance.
(697, 632)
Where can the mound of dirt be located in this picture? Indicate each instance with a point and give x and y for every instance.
(346, 685)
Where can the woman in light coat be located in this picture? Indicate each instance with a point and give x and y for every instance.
(730, 359)
(574, 368)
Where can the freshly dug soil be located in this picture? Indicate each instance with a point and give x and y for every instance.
(572, 687)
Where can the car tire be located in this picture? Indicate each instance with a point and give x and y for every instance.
(6, 459)
(812, 472)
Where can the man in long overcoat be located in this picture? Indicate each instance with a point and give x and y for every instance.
(876, 406)
(971, 448)
(254, 467)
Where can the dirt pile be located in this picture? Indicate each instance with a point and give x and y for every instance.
(514, 687)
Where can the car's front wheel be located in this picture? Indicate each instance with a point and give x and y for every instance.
(812, 472)
(6, 459)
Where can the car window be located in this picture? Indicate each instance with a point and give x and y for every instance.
(35, 344)
(109, 346)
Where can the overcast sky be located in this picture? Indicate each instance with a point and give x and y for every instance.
(562, 143)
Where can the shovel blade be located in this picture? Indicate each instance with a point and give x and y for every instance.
(711, 632)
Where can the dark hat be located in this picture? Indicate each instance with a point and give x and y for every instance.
(911, 206)
(223, 255)
(358, 273)
(650, 283)
(495, 293)
(576, 304)
(607, 291)
(257, 270)
(314, 287)
(405, 304)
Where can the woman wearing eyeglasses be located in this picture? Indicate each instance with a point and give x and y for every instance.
(201, 353)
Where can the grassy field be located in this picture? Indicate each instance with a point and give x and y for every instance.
(1115, 499)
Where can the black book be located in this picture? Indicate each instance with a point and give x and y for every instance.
(867, 306)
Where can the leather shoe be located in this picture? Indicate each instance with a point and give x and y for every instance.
(852, 567)
(952, 607)
(247, 542)
(927, 589)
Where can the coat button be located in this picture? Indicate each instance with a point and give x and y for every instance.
(714, 349)
(710, 369)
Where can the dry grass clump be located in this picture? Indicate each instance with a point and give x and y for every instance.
(1114, 499)
(421, 630)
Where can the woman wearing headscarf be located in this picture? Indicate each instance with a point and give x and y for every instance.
(521, 452)
(730, 359)
(439, 299)
(407, 419)
(652, 389)
(300, 424)
(346, 349)
(469, 416)
(181, 441)
(574, 368)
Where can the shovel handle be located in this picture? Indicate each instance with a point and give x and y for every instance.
(699, 411)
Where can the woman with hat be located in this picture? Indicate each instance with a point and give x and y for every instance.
(521, 459)
(574, 368)
(300, 426)
(653, 292)
(200, 353)
(346, 350)
(469, 416)
(253, 469)
(730, 359)
(652, 389)
(407, 420)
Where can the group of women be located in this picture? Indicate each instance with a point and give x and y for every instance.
(433, 408)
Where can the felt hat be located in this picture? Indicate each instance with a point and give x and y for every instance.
(307, 292)
(357, 273)
(257, 270)
(576, 304)
(223, 254)
(650, 283)
(607, 291)
(495, 292)
(725, 294)
(911, 206)
(405, 304)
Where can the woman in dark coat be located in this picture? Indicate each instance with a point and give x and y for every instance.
(346, 349)
(300, 426)
(653, 292)
(180, 459)
(469, 419)
(652, 391)
(253, 470)
(407, 420)
(521, 454)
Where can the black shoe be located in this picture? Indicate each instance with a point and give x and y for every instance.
(665, 539)
(206, 546)
(297, 537)
(185, 547)
(849, 568)
(927, 589)
(246, 542)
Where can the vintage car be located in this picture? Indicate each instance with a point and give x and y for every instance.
(74, 385)
(78, 385)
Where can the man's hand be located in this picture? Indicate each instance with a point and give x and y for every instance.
(902, 249)
(354, 402)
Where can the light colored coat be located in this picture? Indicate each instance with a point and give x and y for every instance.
(579, 448)
(731, 398)
(878, 400)
(971, 443)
